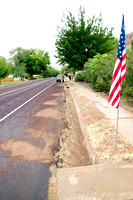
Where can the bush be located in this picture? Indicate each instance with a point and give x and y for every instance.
(98, 73)
(127, 84)
(79, 78)
(50, 72)
(99, 70)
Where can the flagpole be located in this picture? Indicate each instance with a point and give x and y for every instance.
(119, 75)
(117, 129)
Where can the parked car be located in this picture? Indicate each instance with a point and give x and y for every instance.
(60, 78)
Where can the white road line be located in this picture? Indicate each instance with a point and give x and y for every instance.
(25, 103)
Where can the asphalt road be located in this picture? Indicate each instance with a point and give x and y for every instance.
(30, 119)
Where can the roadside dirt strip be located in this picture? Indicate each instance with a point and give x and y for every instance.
(72, 151)
(91, 153)
(108, 174)
(99, 133)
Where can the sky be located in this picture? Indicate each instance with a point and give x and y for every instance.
(33, 23)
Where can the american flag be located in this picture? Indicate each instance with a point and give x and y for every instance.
(71, 73)
(119, 70)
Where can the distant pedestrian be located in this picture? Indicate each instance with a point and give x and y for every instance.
(71, 75)
(62, 78)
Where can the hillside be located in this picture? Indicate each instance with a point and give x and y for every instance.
(129, 37)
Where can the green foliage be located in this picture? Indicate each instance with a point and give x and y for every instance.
(79, 40)
(67, 70)
(28, 62)
(132, 45)
(127, 85)
(36, 61)
(50, 72)
(17, 57)
(79, 78)
(4, 69)
(99, 70)
(19, 71)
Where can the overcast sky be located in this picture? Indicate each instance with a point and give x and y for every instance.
(33, 23)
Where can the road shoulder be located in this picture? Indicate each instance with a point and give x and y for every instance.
(81, 182)
(100, 135)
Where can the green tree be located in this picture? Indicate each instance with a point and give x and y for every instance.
(65, 69)
(79, 40)
(36, 61)
(17, 57)
(50, 72)
(127, 84)
(4, 69)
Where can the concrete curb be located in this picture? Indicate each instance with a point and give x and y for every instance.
(92, 154)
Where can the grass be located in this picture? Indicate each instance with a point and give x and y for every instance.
(2, 84)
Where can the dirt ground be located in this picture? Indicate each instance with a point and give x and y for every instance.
(101, 135)
(73, 150)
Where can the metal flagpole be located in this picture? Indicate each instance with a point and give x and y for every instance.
(119, 75)
(117, 129)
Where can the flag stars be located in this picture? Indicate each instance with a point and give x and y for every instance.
(121, 45)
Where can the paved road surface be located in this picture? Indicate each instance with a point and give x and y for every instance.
(30, 115)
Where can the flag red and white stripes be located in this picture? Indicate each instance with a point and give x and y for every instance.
(119, 70)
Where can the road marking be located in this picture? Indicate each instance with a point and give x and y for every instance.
(20, 88)
(25, 103)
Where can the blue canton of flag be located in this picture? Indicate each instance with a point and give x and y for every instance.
(122, 45)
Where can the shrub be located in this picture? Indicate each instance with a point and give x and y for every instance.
(79, 78)
(98, 73)
(99, 70)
